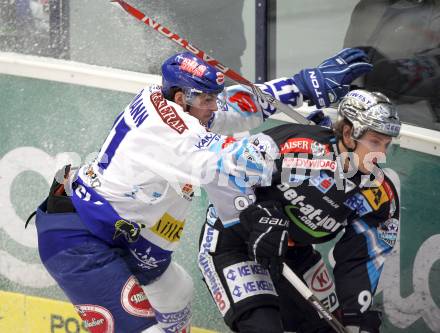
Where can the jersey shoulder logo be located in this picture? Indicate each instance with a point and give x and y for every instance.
(168, 114)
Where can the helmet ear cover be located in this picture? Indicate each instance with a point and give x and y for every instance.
(369, 111)
(186, 71)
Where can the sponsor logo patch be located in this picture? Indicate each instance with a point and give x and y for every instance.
(187, 192)
(359, 204)
(376, 196)
(168, 228)
(248, 279)
(304, 145)
(134, 300)
(97, 319)
(311, 164)
(305, 216)
(193, 67)
(320, 282)
(168, 114)
(323, 183)
(206, 265)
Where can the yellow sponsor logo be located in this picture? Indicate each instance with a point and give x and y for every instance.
(376, 196)
(168, 228)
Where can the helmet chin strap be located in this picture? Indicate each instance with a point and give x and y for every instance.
(350, 150)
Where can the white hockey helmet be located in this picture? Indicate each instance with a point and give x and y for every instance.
(369, 111)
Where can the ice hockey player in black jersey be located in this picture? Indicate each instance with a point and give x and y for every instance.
(324, 181)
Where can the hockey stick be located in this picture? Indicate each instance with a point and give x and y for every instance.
(312, 299)
(213, 62)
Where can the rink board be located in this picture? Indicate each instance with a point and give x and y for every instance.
(42, 120)
(28, 314)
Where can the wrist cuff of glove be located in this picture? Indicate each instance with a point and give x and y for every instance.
(311, 83)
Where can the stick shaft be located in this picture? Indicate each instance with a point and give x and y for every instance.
(213, 62)
(312, 299)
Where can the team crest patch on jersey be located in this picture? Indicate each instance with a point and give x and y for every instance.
(387, 231)
(168, 114)
(309, 164)
(134, 300)
(376, 196)
(130, 230)
(168, 228)
(97, 319)
(304, 145)
(207, 140)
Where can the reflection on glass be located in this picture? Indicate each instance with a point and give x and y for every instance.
(402, 38)
(105, 35)
(24, 26)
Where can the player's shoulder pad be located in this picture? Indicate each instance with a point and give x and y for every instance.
(286, 131)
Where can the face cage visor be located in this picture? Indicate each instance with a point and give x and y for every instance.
(201, 100)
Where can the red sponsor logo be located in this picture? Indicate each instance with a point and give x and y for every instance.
(228, 141)
(168, 114)
(305, 163)
(134, 300)
(326, 183)
(97, 319)
(321, 280)
(193, 67)
(244, 102)
(304, 145)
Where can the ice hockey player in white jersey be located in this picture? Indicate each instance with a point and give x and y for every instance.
(107, 232)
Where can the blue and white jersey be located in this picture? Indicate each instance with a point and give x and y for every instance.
(156, 154)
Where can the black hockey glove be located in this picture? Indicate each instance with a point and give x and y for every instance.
(268, 237)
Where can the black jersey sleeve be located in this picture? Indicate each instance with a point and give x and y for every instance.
(360, 253)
